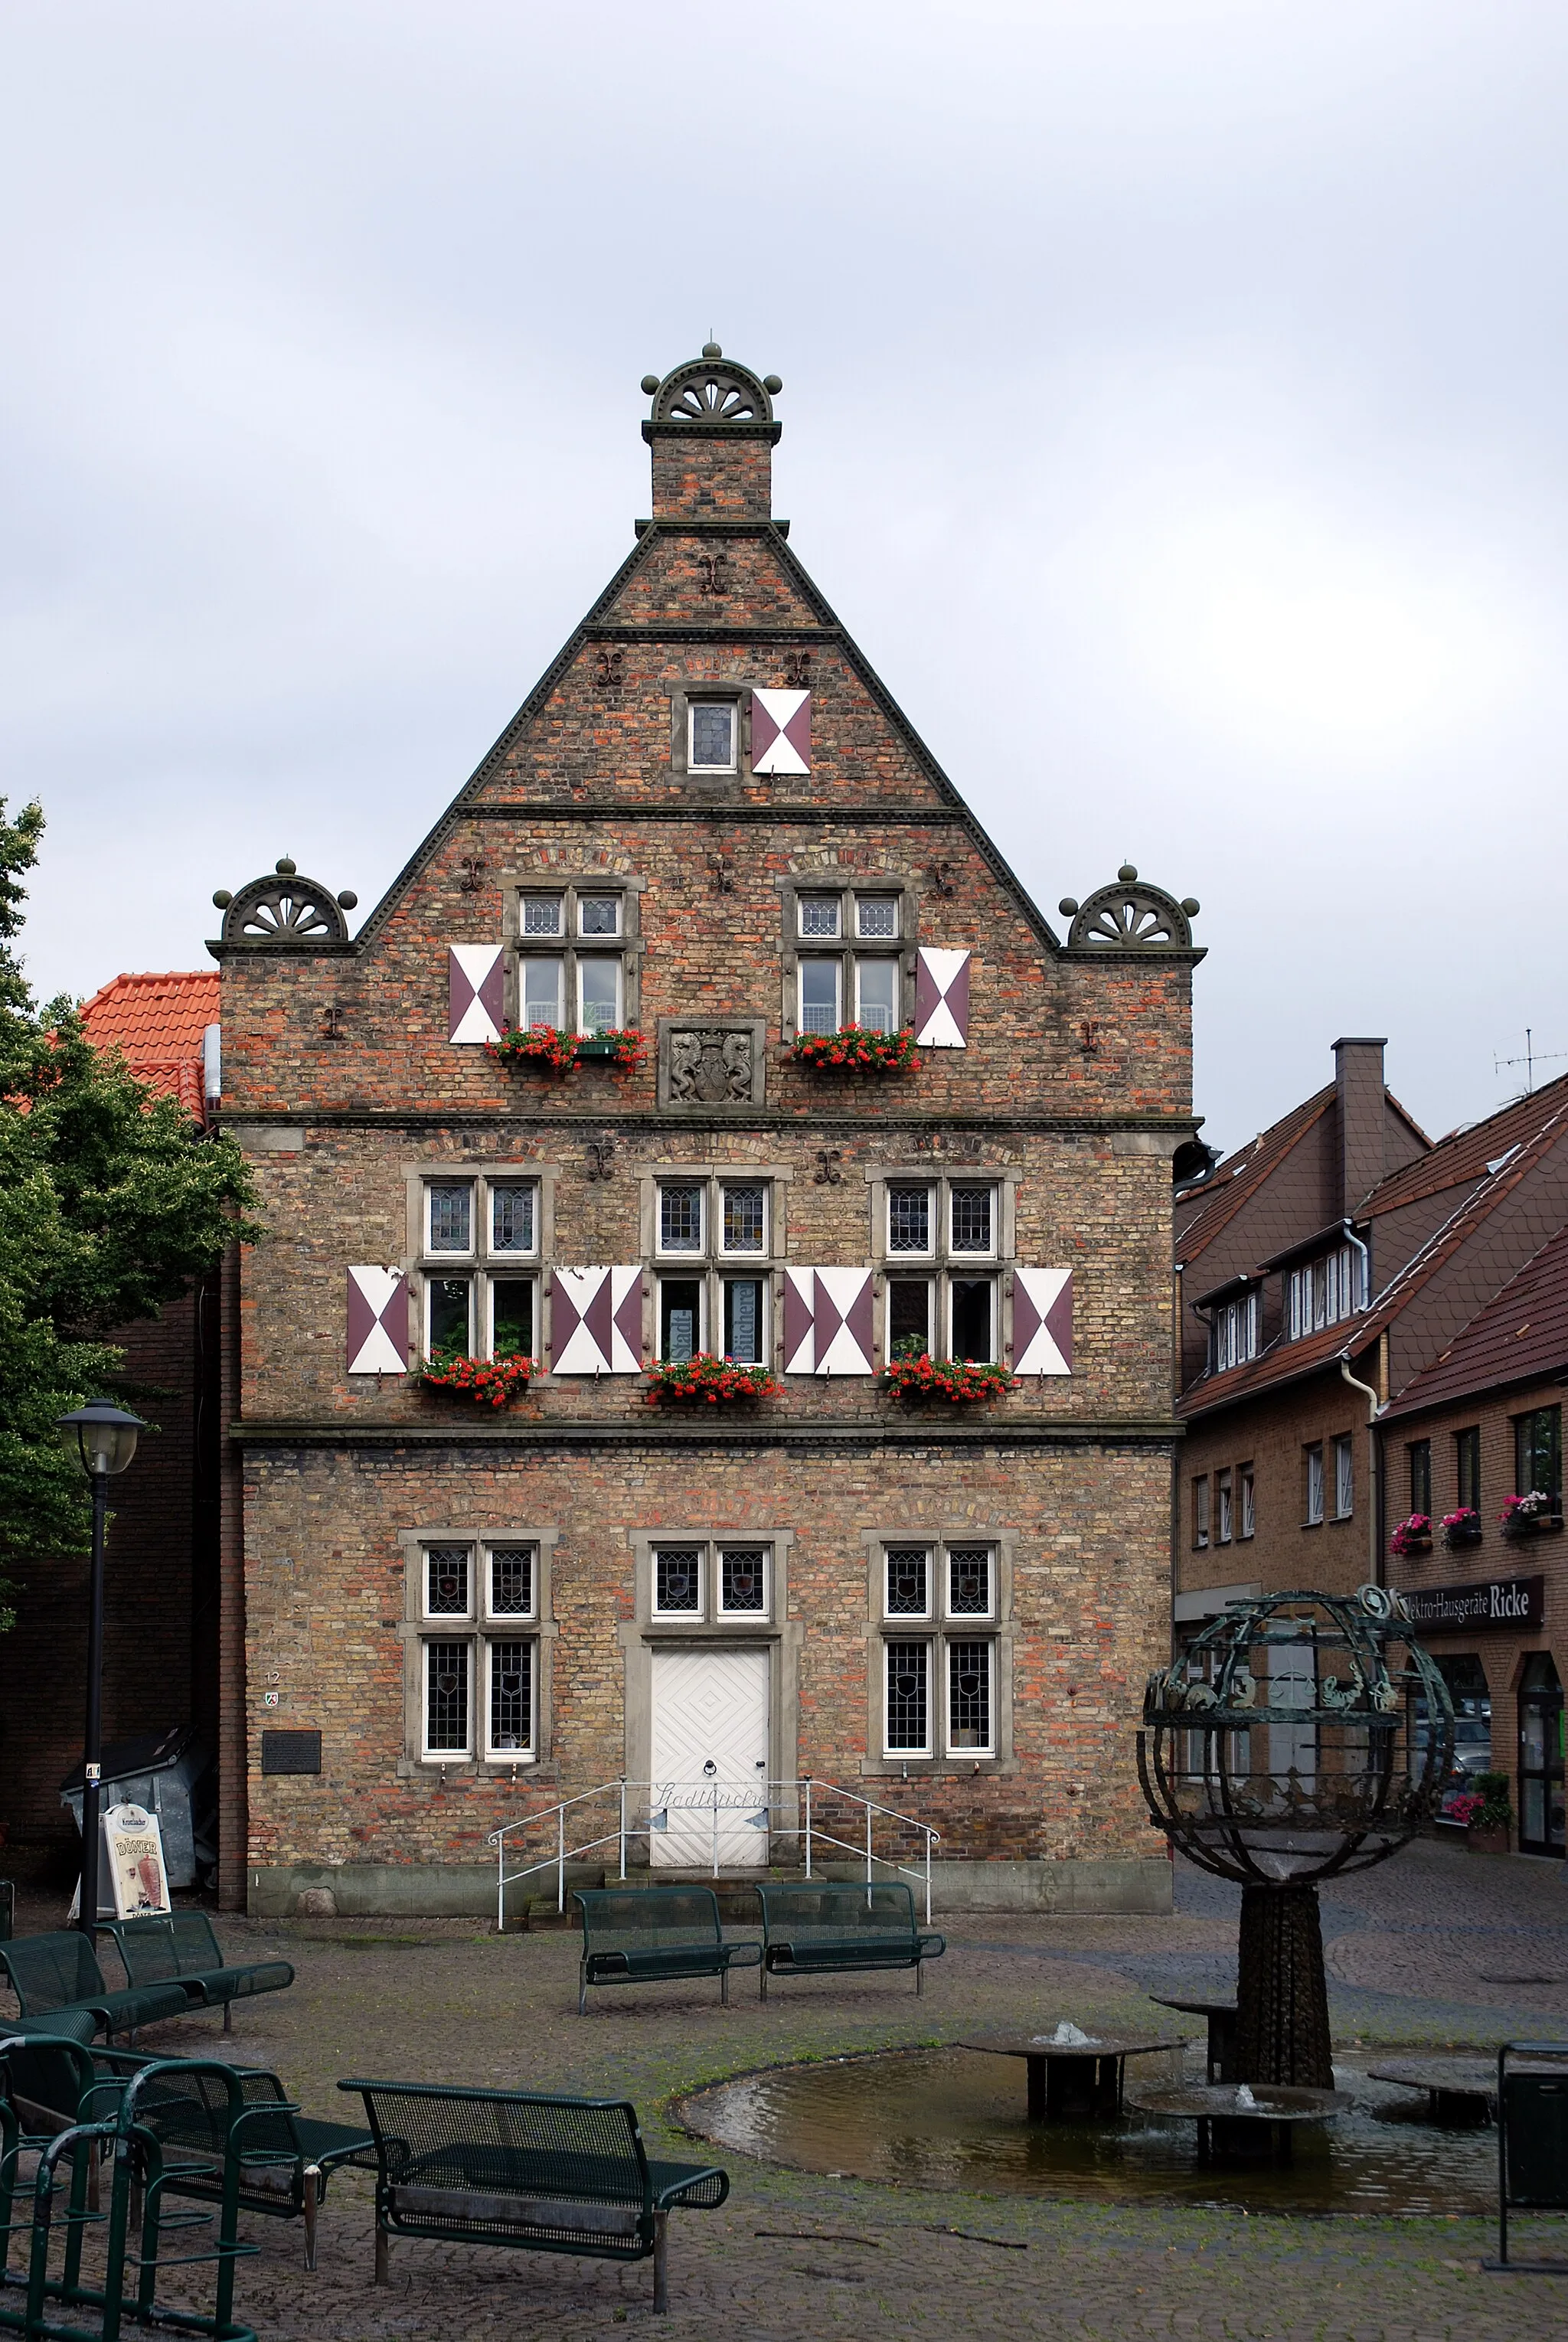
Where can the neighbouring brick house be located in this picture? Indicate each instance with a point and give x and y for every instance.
(1321, 1273)
(161, 1587)
(1478, 1428)
(709, 824)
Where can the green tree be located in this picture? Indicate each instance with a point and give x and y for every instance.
(111, 1204)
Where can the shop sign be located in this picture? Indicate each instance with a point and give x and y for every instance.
(1496, 1602)
(135, 1846)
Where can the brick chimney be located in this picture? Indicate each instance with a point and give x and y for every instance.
(712, 434)
(1358, 1097)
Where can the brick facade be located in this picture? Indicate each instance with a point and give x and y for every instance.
(1066, 1106)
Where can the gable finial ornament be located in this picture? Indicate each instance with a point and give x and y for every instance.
(1130, 916)
(283, 911)
(712, 389)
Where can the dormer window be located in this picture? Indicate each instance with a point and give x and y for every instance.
(1323, 1291)
(1234, 1333)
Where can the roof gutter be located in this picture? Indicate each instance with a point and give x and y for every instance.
(1374, 1479)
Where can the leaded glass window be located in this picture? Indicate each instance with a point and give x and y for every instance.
(908, 1698)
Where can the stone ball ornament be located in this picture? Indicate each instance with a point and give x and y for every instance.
(284, 910)
(1284, 1746)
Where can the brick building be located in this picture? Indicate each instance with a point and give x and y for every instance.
(1324, 1274)
(710, 824)
(161, 1587)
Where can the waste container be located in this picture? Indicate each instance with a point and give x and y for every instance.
(167, 1772)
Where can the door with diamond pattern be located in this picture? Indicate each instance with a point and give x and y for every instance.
(710, 1768)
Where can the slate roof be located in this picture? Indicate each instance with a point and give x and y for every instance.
(1241, 1175)
(1520, 1337)
(1284, 1361)
(156, 1022)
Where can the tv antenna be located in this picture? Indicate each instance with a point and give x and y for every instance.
(1529, 1060)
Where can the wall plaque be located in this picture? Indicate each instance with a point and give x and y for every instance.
(1496, 1602)
(290, 1752)
(703, 1066)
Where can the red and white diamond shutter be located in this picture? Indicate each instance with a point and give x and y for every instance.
(941, 998)
(475, 998)
(1042, 1321)
(781, 731)
(827, 1321)
(377, 1321)
(596, 1321)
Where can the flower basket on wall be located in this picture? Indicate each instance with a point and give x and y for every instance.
(1528, 1516)
(557, 1052)
(1462, 1528)
(1412, 1536)
(853, 1049)
(961, 1381)
(706, 1380)
(1487, 1813)
(489, 1382)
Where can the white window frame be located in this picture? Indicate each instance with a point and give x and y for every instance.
(818, 934)
(987, 1643)
(695, 700)
(950, 1189)
(591, 938)
(505, 1185)
(1249, 1504)
(440, 1621)
(979, 1618)
(520, 1619)
(1315, 1491)
(458, 1641)
(820, 959)
(753, 1253)
(439, 1276)
(760, 1278)
(528, 1750)
(1344, 1475)
(895, 1621)
(894, 932)
(722, 1546)
(527, 960)
(1224, 1504)
(956, 1276)
(616, 962)
(696, 1254)
(511, 1276)
(701, 1547)
(540, 894)
(451, 1252)
(882, 959)
(931, 1649)
(895, 1260)
(696, 1275)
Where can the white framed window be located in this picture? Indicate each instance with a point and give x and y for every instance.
(683, 1216)
(511, 1581)
(513, 1327)
(1314, 1490)
(970, 1705)
(971, 1581)
(683, 1315)
(876, 987)
(911, 1219)
(1249, 1502)
(906, 1706)
(599, 915)
(821, 996)
(447, 1701)
(1224, 1522)
(712, 733)
(742, 1216)
(821, 914)
(743, 1575)
(1236, 1332)
(745, 1327)
(907, 1581)
(1324, 1291)
(954, 1224)
(449, 1315)
(1343, 1476)
(514, 1216)
(598, 992)
(449, 1215)
(540, 992)
(875, 917)
(910, 1309)
(971, 1318)
(678, 1581)
(447, 1588)
(509, 1668)
(543, 914)
(1201, 1511)
(972, 1217)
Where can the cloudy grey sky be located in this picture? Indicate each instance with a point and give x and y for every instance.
(1173, 406)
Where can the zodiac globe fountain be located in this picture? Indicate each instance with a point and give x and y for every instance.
(1297, 1737)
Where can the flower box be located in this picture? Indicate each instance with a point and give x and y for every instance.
(558, 1052)
(489, 1382)
(1461, 1528)
(706, 1380)
(1412, 1536)
(1535, 1515)
(961, 1381)
(853, 1049)
(1485, 1841)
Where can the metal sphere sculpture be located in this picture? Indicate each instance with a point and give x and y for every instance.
(1283, 1748)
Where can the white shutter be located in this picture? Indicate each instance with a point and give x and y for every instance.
(596, 1321)
(827, 1321)
(1042, 1321)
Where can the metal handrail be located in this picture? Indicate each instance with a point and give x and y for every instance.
(710, 1792)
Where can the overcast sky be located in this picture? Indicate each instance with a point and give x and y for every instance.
(1173, 408)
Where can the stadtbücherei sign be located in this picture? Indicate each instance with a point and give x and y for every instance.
(1496, 1602)
(135, 1846)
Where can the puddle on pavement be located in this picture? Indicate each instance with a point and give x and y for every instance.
(955, 2118)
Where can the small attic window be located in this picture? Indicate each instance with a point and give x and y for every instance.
(711, 744)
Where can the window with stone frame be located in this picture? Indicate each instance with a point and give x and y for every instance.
(940, 1246)
(937, 1607)
(849, 956)
(576, 955)
(476, 1639)
(480, 1263)
(713, 1255)
(709, 1581)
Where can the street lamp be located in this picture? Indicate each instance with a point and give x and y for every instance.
(106, 1440)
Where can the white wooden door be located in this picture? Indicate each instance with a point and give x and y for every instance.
(710, 1710)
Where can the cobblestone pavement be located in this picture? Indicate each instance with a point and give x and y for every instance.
(1436, 1946)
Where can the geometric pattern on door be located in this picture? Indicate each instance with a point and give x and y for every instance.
(710, 1707)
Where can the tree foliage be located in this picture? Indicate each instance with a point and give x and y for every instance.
(111, 1204)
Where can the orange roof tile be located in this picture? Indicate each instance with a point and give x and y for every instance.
(157, 1022)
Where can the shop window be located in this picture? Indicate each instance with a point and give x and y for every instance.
(1540, 1798)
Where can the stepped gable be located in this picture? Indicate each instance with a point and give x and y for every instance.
(1520, 1336)
(157, 1024)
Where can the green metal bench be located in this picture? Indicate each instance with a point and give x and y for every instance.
(549, 2175)
(648, 1935)
(54, 1973)
(823, 1930)
(286, 2159)
(181, 1948)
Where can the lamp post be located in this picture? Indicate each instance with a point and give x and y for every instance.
(106, 1440)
